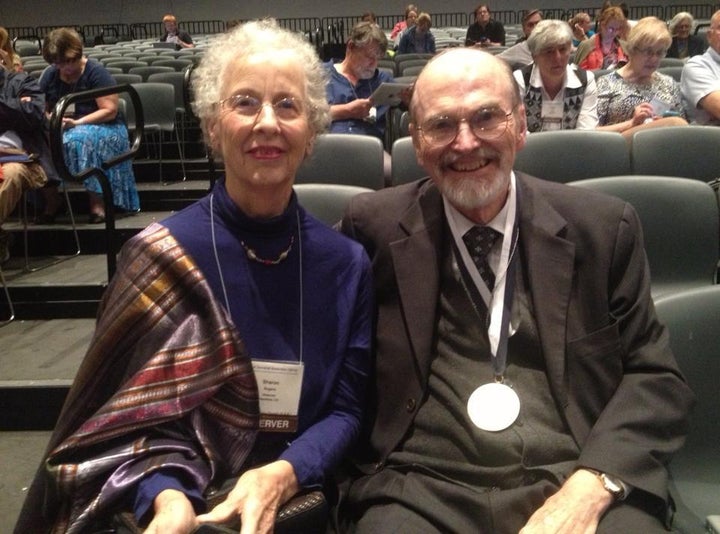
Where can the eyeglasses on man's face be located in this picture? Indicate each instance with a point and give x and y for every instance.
(485, 124)
(286, 108)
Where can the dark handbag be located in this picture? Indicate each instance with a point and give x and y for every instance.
(305, 513)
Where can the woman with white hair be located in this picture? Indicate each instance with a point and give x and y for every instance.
(557, 96)
(241, 296)
(684, 44)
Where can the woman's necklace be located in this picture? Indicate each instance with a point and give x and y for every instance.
(253, 255)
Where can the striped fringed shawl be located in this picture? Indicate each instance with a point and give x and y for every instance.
(165, 381)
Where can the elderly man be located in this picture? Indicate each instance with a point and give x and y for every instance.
(700, 81)
(518, 55)
(485, 31)
(522, 380)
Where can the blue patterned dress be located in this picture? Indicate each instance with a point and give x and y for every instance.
(89, 145)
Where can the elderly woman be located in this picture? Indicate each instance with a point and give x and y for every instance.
(684, 45)
(165, 404)
(636, 96)
(557, 96)
(418, 39)
(95, 133)
(603, 50)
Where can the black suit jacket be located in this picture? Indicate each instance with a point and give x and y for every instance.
(608, 362)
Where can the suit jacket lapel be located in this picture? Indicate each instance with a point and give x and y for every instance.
(549, 264)
(416, 264)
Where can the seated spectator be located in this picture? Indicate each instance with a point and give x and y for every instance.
(22, 132)
(411, 13)
(95, 133)
(700, 81)
(243, 288)
(518, 55)
(557, 96)
(8, 58)
(603, 50)
(175, 35)
(418, 39)
(684, 45)
(353, 80)
(636, 96)
(523, 382)
(369, 16)
(485, 31)
(581, 26)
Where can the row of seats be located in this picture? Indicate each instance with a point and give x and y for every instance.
(569, 155)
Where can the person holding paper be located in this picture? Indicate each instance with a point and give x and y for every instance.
(522, 382)
(353, 81)
(636, 96)
(242, 295)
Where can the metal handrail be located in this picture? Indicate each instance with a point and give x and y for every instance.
(56, 146)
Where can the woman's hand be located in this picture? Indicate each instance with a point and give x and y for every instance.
(256, 498)
(174, 514)
(642, 113)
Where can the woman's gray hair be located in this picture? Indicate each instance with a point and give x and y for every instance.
(677, 19)
(244, 41)
(547, 34)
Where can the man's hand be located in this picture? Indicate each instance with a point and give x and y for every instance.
(174, 514)
(256, 498)
(575, 509)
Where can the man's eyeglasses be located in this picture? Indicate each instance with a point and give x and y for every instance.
(485, 124)
(285, 108)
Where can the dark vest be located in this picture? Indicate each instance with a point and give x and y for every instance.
(572, 102)
(444, 440)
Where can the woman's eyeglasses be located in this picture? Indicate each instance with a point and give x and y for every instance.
(285, 108)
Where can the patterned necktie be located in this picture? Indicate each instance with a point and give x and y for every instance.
(479, 240)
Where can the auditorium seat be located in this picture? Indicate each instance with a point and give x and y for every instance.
(692, 319)
(569, 155)
(405, 167)
(681, 225)
(346, 159)
(327, 202)
(689, 151)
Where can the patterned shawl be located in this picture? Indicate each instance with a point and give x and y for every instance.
(165, 382)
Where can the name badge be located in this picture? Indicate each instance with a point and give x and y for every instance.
(279, 387)
(552, 114)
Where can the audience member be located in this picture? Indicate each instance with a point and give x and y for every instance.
(353, 80)
(700, 79)
(95, 133)
(418, 39)
(485, 31)
(242, 282)
(581, 404)
(684, 45)
(581, 26)
(369, 16)
(636, 96)
(22, 132)
(175, 35)
(557, 96)
(411, 13)
(518, 55)
(603, 50)
(8, 58)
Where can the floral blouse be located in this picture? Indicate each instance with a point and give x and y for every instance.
(617, 97)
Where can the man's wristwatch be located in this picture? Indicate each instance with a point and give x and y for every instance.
(616, 487)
